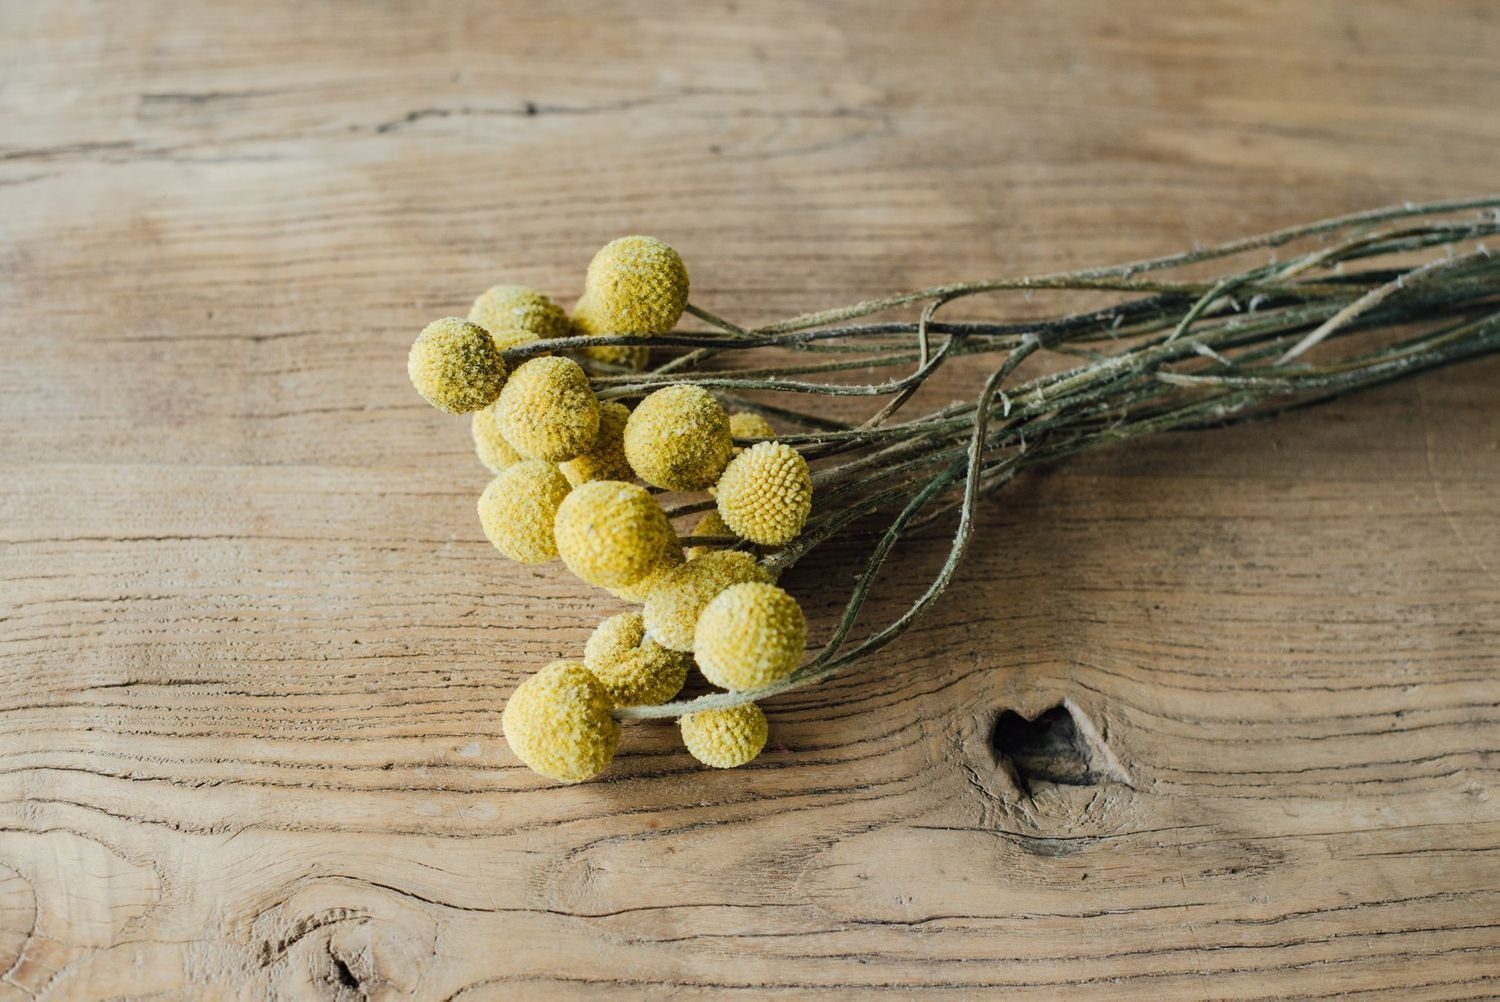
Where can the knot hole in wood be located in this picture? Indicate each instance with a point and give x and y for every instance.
(1058, 746)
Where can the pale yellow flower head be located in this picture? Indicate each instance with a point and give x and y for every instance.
(725, 738)
(489, 445)
(748, 424)
(558, 723)
(611, 533)
(750, 636)
(515, 315)
(678, 596)
(637, 591)
(709, 525)
(548, 410)
(605, 458)
(765, 494)
(634, 668)
(518, 508)
(636, 285)
(678, 438)
(455, 366)
(587, 321)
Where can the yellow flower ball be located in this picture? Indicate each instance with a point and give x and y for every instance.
(636, 285)
(548, 410)
(489, 445)
(750, 636)
(678, 438)
(637, 591)
(518, 508)
(612, 534)
(629, 356)
(515, 315)
(634, 668)
(605, 459)
(558, 723)
(725, 738)
(765, 494)
(748, 424)
(709, 525)
(677, 597)
(455, 366)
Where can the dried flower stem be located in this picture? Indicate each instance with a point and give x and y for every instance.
(1181, 354)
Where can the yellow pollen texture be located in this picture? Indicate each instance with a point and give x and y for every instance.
(518, 508)
(678, 438)
(548, 410)
(748, 424)
(637, 591)
(634, 668)
(489, 445)
(558, 723)
(725, 738)
(605, 458)
(678, 596)
(455, 366)
(636, 285)
(611, 533)
(765, 494)
(515, 315)
(750, 636)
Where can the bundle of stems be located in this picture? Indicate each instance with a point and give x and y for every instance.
(1358, 301)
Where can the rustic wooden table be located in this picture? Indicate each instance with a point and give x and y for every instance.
(254, 645)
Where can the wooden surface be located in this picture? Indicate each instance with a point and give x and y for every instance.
(253, 645)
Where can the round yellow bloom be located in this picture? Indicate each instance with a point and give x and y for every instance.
(587, 321)
(750, 636)
(515, 315)
(634, 668)
(611, 533)
(518, 508)
(455, 366)
(725, 738)
(677, 597)
(765, 494)
(547, 409)
(637, 591)
(636, 285)
(678, 438)
(489, 445)
(605, 459)
(558, 722)
(709, 525)
(748, 424)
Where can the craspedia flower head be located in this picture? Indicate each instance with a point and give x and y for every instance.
(765, 494)
(750, 636)
(605, 458)
(748, 424)
(636, 285)
(711, 524)
(611, 533)
(678, 438)
(455, 366)
(677, 597)
(637, 591)
(558, 722)
(634, 668)
(586, 320)
(489, 445)
(514, 315)
(518, 508)
(547, 409)
(725, 738)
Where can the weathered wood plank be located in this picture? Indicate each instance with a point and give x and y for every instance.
(253, 645)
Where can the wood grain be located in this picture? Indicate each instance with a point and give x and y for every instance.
(253, 645)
